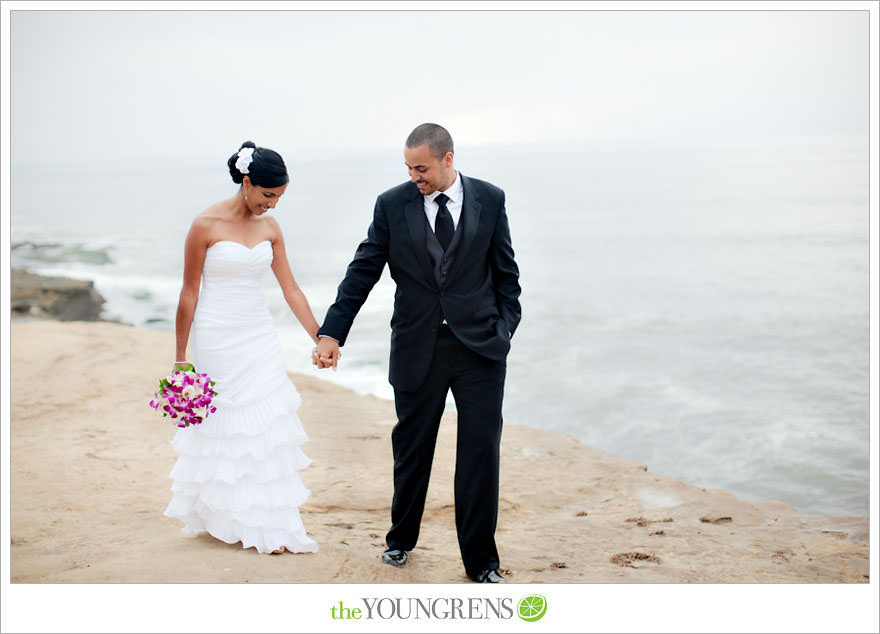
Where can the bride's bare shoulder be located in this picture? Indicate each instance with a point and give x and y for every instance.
(203, 225)
(217, 211)
(209, 217)
(274, 228)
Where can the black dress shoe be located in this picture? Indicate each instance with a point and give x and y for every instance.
(394, 557)
(489, 576)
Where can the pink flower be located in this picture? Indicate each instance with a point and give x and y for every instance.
(185, 396)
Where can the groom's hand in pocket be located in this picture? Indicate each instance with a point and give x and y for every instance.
(327, 354)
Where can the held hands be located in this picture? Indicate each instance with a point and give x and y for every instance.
(326, 354)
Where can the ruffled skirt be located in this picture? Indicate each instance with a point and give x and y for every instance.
(237, 475)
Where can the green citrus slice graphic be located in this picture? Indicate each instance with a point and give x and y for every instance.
(532, 607)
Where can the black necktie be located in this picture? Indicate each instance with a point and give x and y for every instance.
(443, 227)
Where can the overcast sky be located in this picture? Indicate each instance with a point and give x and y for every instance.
(124, 85)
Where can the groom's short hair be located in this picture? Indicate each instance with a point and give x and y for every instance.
(436, 137)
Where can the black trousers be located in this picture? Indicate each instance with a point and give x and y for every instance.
(477, 385)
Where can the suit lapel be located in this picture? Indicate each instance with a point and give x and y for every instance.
(470, 220)
(414, 212)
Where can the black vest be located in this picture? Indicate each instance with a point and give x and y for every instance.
(442, 261)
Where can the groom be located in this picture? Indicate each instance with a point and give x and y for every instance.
(446, 240)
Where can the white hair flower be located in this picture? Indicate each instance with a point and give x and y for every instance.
(245, 158)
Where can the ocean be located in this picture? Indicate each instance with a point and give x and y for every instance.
(699, 307)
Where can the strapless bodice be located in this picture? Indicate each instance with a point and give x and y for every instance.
(233, 266)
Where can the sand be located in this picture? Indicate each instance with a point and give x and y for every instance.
(90, 463)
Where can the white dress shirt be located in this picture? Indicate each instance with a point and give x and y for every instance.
(456, 197)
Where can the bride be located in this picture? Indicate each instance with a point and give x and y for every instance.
(236, 476)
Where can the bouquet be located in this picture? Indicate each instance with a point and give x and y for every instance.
(185, 396)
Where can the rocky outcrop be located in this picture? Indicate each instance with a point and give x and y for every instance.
(62, 298)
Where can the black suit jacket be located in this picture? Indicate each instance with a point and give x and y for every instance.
(479, 297)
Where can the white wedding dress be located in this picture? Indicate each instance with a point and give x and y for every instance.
(237, 473)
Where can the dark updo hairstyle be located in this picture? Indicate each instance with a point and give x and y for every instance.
(267, 169)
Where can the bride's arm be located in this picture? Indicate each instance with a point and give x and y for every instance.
(193, 260)
(293, 294)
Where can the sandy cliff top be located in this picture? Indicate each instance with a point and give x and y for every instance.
(90, 465)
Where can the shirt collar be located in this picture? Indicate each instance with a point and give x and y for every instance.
(453, 192)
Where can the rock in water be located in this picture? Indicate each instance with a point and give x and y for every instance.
(59, 298)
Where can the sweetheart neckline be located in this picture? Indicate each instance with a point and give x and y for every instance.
(240, 244)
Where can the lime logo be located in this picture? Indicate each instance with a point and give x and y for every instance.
(532, 608)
